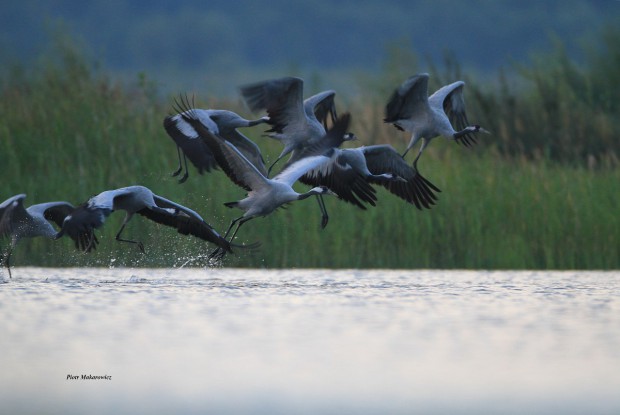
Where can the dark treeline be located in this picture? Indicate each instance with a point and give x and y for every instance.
(218, 37)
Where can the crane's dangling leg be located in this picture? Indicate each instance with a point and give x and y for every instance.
(219, 252)
(180, 169)
(232, 223)
(118, 235)
(7, 258)
(422, 147)
(325, 216)
(271, 167)
(241, 222)
(186, 174)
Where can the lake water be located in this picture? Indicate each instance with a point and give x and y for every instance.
(233, 341)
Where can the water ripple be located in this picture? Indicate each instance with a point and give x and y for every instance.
(390, 339)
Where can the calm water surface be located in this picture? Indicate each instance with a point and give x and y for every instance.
(309, 341)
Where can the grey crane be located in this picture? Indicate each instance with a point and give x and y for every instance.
(345, 176)
(265, 195)
(350, 169)
(141, 200)
(222, 122)
(295, 122)
(18, 222)
(411, 109)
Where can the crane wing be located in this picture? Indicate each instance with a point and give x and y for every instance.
(184, 220)
(333, 138)
(337, 175)
(56, 211)
(80, 225)
(249, 149)
(12, 211)
(282, 99)
(321, 105)
(410, 97)
(236, 166)
(415, 189)
(450, 99)
(186, 138)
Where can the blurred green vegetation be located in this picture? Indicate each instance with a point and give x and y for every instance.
(540, 192)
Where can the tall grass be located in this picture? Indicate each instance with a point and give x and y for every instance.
(555, 108)
(68, 132)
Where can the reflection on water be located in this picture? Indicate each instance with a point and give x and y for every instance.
(309, 341)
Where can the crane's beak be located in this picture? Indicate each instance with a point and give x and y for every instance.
(261, 120)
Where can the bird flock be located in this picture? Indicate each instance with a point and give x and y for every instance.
(311, 134)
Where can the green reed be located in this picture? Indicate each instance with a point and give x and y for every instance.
(69, 132)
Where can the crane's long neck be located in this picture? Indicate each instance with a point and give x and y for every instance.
(467, 130)
(320, 190)
(262, 120)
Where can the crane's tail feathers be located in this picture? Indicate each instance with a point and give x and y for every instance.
(184, 105)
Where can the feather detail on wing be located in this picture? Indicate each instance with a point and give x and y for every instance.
(12, 211)
(236, 166)
(83, 221)
(282, 99)
(186, 138)
(415, 189)
(333, 138)
(249, 149)
(57, 211)
(450, 98)
(184, 220)
(406, 98)
(343, 180)
(320, 106)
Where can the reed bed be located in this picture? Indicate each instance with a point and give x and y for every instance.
(512, 202)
